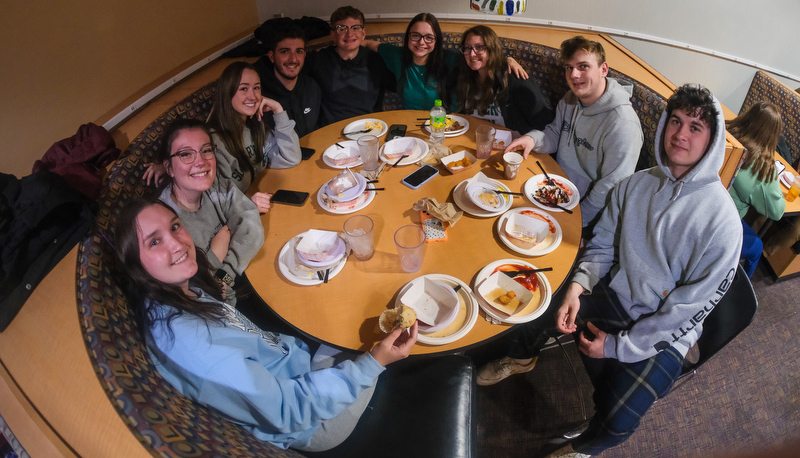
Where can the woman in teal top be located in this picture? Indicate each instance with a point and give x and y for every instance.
(756, 184)
(423, 68)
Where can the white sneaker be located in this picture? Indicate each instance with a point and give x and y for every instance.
(567, 452)
(500, 369)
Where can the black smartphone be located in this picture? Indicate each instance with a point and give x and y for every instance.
(395, 131)
(296, 198)
(420, 176)
(307, 152)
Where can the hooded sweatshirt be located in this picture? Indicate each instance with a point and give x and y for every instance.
(281, 150)
(260, 380)
(301, 103)
(671, 247)
(596, 145)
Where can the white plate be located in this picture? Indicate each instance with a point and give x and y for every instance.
(350, 146)
(361, 124)
(467, 301)
(544, 288)
(370, 197)
(454, 133)
(786, 178)
(421, 144)
(477, 188)
(550, 243)
(463, 201)
(287, 255)
(533, 183)
(348, 194)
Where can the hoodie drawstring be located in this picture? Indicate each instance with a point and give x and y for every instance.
(676, 191)
(573, 121)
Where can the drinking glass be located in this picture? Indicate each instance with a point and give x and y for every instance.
(410, 242)
(360, 236)
(484, 140)
(368, 149)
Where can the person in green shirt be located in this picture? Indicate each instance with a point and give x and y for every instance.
(756, 184)
(424, 70)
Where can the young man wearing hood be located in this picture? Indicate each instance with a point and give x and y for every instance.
(664, 252)
(282, 79)
(596, 134)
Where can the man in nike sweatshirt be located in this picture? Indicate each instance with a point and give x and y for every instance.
(596, 134)
(663, 254)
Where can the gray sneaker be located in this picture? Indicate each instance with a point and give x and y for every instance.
(500, 369)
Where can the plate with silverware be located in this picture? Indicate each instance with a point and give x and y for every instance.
(368, 126)
(551, 192)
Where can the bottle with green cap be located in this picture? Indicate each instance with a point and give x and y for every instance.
(438, 122)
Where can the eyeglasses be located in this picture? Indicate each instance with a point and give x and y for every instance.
(479, 49)
(342, 29)
(188, 155)
(415, 37)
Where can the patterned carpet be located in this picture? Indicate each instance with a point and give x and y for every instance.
(744, 400)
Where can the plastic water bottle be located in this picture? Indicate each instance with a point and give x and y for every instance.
(438, 123)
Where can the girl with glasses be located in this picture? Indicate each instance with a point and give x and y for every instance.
(486, 90)
(269, 383)
(221, 220)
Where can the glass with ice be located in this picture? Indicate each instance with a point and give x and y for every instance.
(359, 232)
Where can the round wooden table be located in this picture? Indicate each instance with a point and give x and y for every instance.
(344, 312)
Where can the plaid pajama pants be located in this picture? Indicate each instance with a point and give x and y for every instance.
(623, 392)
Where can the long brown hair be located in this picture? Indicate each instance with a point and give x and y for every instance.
(759, 129)
(473, 95)
(143, 291)
(228, 123)
(435, 67)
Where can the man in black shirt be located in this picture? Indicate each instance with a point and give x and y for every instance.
(353, 79)
(282, 79)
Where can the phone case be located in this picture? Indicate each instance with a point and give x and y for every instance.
(434, 228)
(405, 182)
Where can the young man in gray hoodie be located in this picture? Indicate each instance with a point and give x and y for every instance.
(664, 252)
(596, 134)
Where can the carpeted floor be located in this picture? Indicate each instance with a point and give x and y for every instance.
(745, 399)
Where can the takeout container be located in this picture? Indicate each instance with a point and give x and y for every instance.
(499, 284)
(348, 194)
(449, 160)
(346, 156)
(319, 247)
(396, 148)
(435, 303)
(502, 138)
(476, 188)
(526, 228)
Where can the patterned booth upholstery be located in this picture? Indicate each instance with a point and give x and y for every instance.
(167, 423)
(541, 62)
(766, 88)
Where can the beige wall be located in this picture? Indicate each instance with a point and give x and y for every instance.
(63, 64)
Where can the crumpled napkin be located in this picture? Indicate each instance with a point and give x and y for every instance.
(374, 174)
(435, 154)
(446, 212)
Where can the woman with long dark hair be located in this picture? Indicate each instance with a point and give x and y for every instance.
(486, 90)
(223, 222)
(246, 144)
(267, 382)
(423, 68)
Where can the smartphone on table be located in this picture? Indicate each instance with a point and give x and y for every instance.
(307, 152)
(396, 131)
(420, 176)
(283, 196)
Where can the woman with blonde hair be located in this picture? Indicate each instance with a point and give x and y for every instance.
(486, 90)
(756, 184)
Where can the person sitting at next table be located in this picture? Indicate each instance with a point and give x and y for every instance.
(756, 183)
(424, 70)
(596, 134)
(664, 252)
(283, 79)
(353, 79)
(486, 90)
(267, 382)
(245, 143)
(223, 222)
